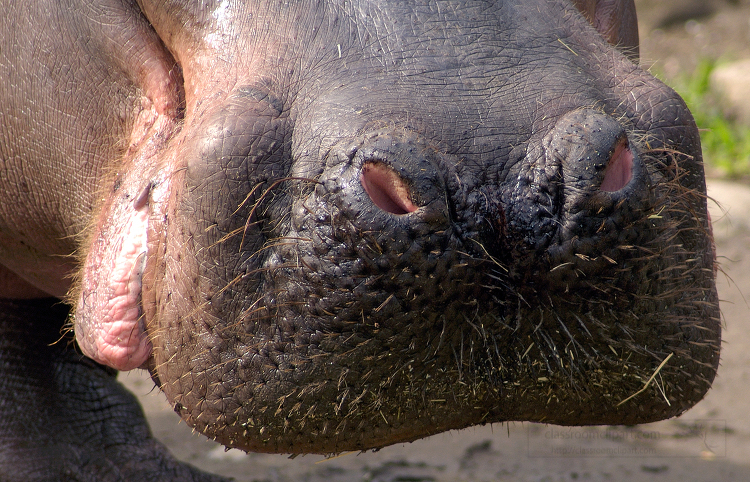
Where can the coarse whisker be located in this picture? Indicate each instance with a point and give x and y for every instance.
(265, 193)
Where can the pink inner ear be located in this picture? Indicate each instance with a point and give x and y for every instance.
(620, 169)
(386, 189)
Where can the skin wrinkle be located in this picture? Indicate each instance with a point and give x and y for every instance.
(78, 85)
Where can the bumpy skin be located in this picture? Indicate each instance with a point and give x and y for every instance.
(65, 418)
(329, 226)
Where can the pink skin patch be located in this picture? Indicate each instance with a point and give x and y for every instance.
(620, 169)
(109, 308)
(109, 321)
(386, 189)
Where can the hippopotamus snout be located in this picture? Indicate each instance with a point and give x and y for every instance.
(590, 171)
(337, 225)
(344, 247)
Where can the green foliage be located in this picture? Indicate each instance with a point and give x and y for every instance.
(726, 142)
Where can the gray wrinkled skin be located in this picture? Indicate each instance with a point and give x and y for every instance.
(363, 222)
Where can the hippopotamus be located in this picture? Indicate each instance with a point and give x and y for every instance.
(334, 225)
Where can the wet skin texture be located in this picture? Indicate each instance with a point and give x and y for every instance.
(329, 226)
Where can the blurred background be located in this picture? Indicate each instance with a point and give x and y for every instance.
(702, 49)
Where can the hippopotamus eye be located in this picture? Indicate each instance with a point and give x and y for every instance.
(386, 188)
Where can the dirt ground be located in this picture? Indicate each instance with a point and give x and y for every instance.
(709, 442)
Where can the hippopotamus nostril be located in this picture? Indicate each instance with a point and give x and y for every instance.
(385, 175)
(599, 164)
(386, 188)
(591, 183)
(619, 171)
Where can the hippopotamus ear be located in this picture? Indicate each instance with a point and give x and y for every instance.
(615, 20)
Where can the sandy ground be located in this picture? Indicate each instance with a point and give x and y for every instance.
(709, 442)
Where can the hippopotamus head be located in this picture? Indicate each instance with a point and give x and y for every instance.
(345, 224)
